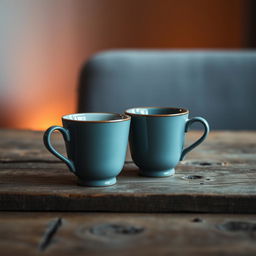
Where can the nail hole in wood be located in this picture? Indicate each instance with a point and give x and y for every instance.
(197, 220)
(115, 229)
(193, 177)
(234, 226)
(205, 163)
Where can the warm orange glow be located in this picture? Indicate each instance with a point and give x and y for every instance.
(46, 42)
(41, 122)
(43, 118)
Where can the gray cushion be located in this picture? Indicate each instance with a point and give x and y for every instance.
(218, 85)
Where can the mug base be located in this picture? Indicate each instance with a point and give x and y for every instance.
(157, 173)
(97, 183)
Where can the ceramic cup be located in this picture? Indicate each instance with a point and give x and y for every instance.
(96, 145)
(157, 137)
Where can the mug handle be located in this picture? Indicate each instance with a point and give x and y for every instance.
(189, 122)
(48, 145)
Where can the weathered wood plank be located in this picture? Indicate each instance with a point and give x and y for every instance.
(127, 234)
(232, 147)
(219, 176)
(194, 188)
(24, 146)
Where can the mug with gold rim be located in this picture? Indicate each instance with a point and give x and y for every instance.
(157, 138)
(96, 145)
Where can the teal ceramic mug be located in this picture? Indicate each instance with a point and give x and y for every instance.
(157, 138)
(96, 145)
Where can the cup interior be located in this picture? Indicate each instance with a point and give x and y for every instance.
(156, 111)
(96, 117)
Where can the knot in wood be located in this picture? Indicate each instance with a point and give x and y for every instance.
(110, 229)
(235, 226)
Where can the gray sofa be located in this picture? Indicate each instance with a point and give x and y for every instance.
(218, 85)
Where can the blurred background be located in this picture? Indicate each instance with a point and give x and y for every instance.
(43, 44)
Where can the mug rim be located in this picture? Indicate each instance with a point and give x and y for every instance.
(125, 118)
(183, 111)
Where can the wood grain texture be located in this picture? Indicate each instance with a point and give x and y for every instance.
(234, 147)
(218, 177)
(27, 146)
(127, 234)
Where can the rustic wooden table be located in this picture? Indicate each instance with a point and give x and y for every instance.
(207, 208)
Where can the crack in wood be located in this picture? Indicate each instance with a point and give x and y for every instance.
(204, 163)
(51, 230)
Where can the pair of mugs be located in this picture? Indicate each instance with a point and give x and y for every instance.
(96, 143)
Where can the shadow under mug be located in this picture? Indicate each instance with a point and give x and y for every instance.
(96, 145)
(157, 138)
